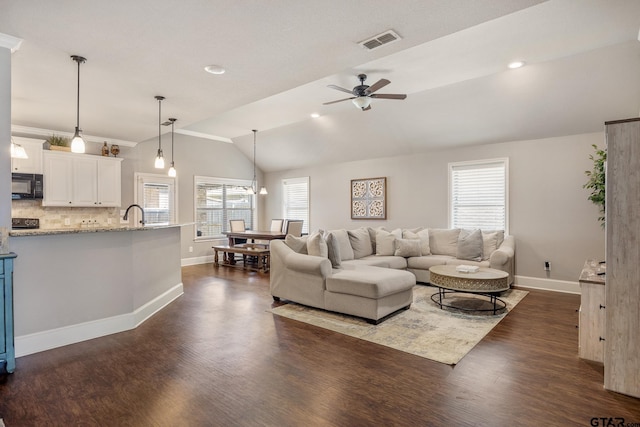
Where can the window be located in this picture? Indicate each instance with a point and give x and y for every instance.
(157, 196)
(478, 194)
(218, 200)
(295, 200)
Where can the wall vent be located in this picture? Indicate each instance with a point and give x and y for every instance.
(381, 39)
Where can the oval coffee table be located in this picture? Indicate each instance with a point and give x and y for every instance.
(486, 282)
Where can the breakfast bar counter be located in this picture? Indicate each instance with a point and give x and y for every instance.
(71, 285)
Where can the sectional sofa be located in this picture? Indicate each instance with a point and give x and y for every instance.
(369, 272)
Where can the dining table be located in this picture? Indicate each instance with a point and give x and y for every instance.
(253, 235)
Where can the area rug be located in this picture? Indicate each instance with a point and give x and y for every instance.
(425, 330)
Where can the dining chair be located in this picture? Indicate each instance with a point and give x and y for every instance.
(276, 225)
(294, 227)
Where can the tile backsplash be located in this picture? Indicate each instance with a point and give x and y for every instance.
(57, 217)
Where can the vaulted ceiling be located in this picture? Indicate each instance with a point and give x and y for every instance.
(582, 68)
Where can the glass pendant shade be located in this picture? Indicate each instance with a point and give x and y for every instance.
(18, 151)
(251, 191)
(159, 163)
(172, 171)
(362, 102)
(77, 143)
(263, 190)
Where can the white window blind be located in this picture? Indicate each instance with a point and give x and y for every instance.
(478, 194)
(295, 200)
(157, 195)
(219, 200)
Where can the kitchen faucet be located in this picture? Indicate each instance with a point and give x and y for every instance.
(126, 213)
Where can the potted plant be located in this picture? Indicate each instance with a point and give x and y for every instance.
(57, 142)
(596, 182)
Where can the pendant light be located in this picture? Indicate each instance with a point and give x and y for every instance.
(172, 169)
(252, 190)
(159, 163)
(77, 143)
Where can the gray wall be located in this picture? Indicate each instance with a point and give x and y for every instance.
(193, 156)
(5, 137)
(549, 213)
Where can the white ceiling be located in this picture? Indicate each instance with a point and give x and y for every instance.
(583, 68)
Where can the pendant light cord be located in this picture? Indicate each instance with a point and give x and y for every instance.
(254, 161)
(78, 100)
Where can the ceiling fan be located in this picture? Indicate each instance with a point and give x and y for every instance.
(363, 93)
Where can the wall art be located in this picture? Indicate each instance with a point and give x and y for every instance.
(369, 198)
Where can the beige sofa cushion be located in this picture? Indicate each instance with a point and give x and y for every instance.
(346, 252)
(360, 242)
(426, 262)
(370, 282)
(386, 241)
(407, 248)
(333, 249)
(297, 244)
(316, 246)
(423, 236)
(444, 241)
(470, 245)
(492, 239)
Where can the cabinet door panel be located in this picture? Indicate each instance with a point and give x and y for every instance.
(109, 182)
(58, 178)
(84, 182)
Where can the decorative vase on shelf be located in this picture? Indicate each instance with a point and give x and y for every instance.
(115, 150)
(105, 150)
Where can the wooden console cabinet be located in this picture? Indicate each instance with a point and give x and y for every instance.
(622, 324)
(592, 312)
(7, 350)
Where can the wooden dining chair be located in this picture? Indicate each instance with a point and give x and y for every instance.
(294, 227)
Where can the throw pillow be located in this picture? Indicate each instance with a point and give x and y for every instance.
(407, 248)
(444, 241)
(297, 244)
(346, 252)
(385, 241)
(333, 249)
(411, 230)
(492, 240)
(316, 246)
(470, 245)
(360, 242)
(423, 236)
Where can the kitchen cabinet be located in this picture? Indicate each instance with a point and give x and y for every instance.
(33, 148)
(592, 311)
(81, 180)
(7, 348)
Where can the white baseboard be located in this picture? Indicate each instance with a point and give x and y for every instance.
(46, 340)
(196, 260)
(548, 284)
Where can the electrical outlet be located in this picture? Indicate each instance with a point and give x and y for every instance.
(547, 266)
(67, 221)
(109, 221)
(190, 248)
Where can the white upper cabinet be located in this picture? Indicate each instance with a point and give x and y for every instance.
(33, 148)
(81, 180)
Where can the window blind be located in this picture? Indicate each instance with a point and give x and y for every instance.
(217, 202)
(478, 194)
(295, 200)
(156, 203)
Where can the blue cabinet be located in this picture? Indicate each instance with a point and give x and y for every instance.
(7, 350)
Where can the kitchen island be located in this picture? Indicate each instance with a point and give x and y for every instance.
(72, 285)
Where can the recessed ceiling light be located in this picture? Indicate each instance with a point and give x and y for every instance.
(315, 115)
(214, 69)
(516, 64)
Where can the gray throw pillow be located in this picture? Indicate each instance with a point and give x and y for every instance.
(386, 241)
(408, 248)
(316, 246)
(297, 244)
(360, 242)
(346, 252)
(333, 249)
(423, 236)
(470, 245)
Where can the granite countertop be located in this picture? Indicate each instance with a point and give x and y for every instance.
(49, 232)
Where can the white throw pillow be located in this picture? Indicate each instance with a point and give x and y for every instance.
(386, 241)
(297, 244)
(360, 242)
(316, 246)
(407, 248)
(423, 236)
(346, 252)
(492, 239)
(444, 241)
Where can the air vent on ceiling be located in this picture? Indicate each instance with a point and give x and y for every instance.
(381, 39)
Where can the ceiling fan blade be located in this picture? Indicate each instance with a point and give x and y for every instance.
(378, 85)
(339, 100)
(388, 96)
(339, 88)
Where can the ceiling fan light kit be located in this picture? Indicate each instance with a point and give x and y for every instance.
(362, 94)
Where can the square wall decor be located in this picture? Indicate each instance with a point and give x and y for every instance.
(369, 198)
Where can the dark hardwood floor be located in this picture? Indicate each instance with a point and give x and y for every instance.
(217, 357)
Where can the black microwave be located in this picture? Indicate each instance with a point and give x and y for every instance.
(26, 186)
